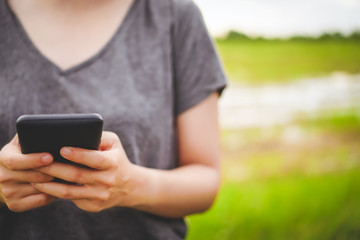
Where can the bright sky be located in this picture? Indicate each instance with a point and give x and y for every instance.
(280, 18)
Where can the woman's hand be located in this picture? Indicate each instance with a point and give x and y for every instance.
(112, 180)
(105, 184)
(16, 174)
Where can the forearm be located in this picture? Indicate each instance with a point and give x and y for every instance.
(175, 193)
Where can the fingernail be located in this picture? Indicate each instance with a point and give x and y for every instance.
(46, 158)
(65, 151)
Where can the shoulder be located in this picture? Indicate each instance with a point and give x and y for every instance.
(183, 4)
(183, 9)
(177, 8)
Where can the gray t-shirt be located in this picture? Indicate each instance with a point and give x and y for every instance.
(158, 64)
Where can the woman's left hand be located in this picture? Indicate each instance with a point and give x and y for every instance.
(106, 184)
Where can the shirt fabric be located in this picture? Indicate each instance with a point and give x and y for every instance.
(159, 63)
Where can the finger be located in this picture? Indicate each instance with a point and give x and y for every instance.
(91, 158)
(66, 191)
(14, 145)
(24, 176)
(69, 173)
(109, 140)
(13, 160)
(17, 190)
(30, 202)
(89, 205)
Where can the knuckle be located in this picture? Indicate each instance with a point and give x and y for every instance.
(121, 154)
(2, 155)
(94, 208)
(39, 177)
(113, 162)
(43, 199)
(7, 192)
(13, 206)
(100, 161)
(66, 193)
(10, 163)
(3, 176)
(109, 181)
(103, 197)
(76, 175)
(89, 207)
(113, 135)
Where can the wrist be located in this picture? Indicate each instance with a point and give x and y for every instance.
(144, 188)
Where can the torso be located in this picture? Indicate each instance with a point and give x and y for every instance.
(129, 82)
(134, 82)
(70, 32)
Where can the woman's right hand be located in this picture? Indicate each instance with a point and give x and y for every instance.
(17, 174)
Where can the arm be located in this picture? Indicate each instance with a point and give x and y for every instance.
(187, 189)
(193, 186)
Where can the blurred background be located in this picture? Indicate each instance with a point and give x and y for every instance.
(290, 120)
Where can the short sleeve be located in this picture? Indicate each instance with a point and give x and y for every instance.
(197, 68)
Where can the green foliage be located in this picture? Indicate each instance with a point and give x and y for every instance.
(355, 35)
(260, 61)
(332, 36)
(237, 36)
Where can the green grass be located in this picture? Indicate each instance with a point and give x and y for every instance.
(296, 207)
(297, 181)
(278, 189)
(341, 120)
(258, 62)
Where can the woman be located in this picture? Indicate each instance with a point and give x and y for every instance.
(150, 69)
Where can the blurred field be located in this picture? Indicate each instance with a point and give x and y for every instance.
(295, 207)
(261, 61)
(295, 181)
(282, 186)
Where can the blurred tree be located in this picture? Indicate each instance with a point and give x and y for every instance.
(355, 35)
(301, 38)
(237, 35)
(332, 36)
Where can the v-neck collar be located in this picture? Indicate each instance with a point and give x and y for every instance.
(31, 46)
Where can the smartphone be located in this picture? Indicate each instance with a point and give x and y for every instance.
(50, 132)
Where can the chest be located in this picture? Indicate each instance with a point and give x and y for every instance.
(68, 33)
(129, 82)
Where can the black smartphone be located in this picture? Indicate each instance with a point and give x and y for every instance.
(50, 132)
